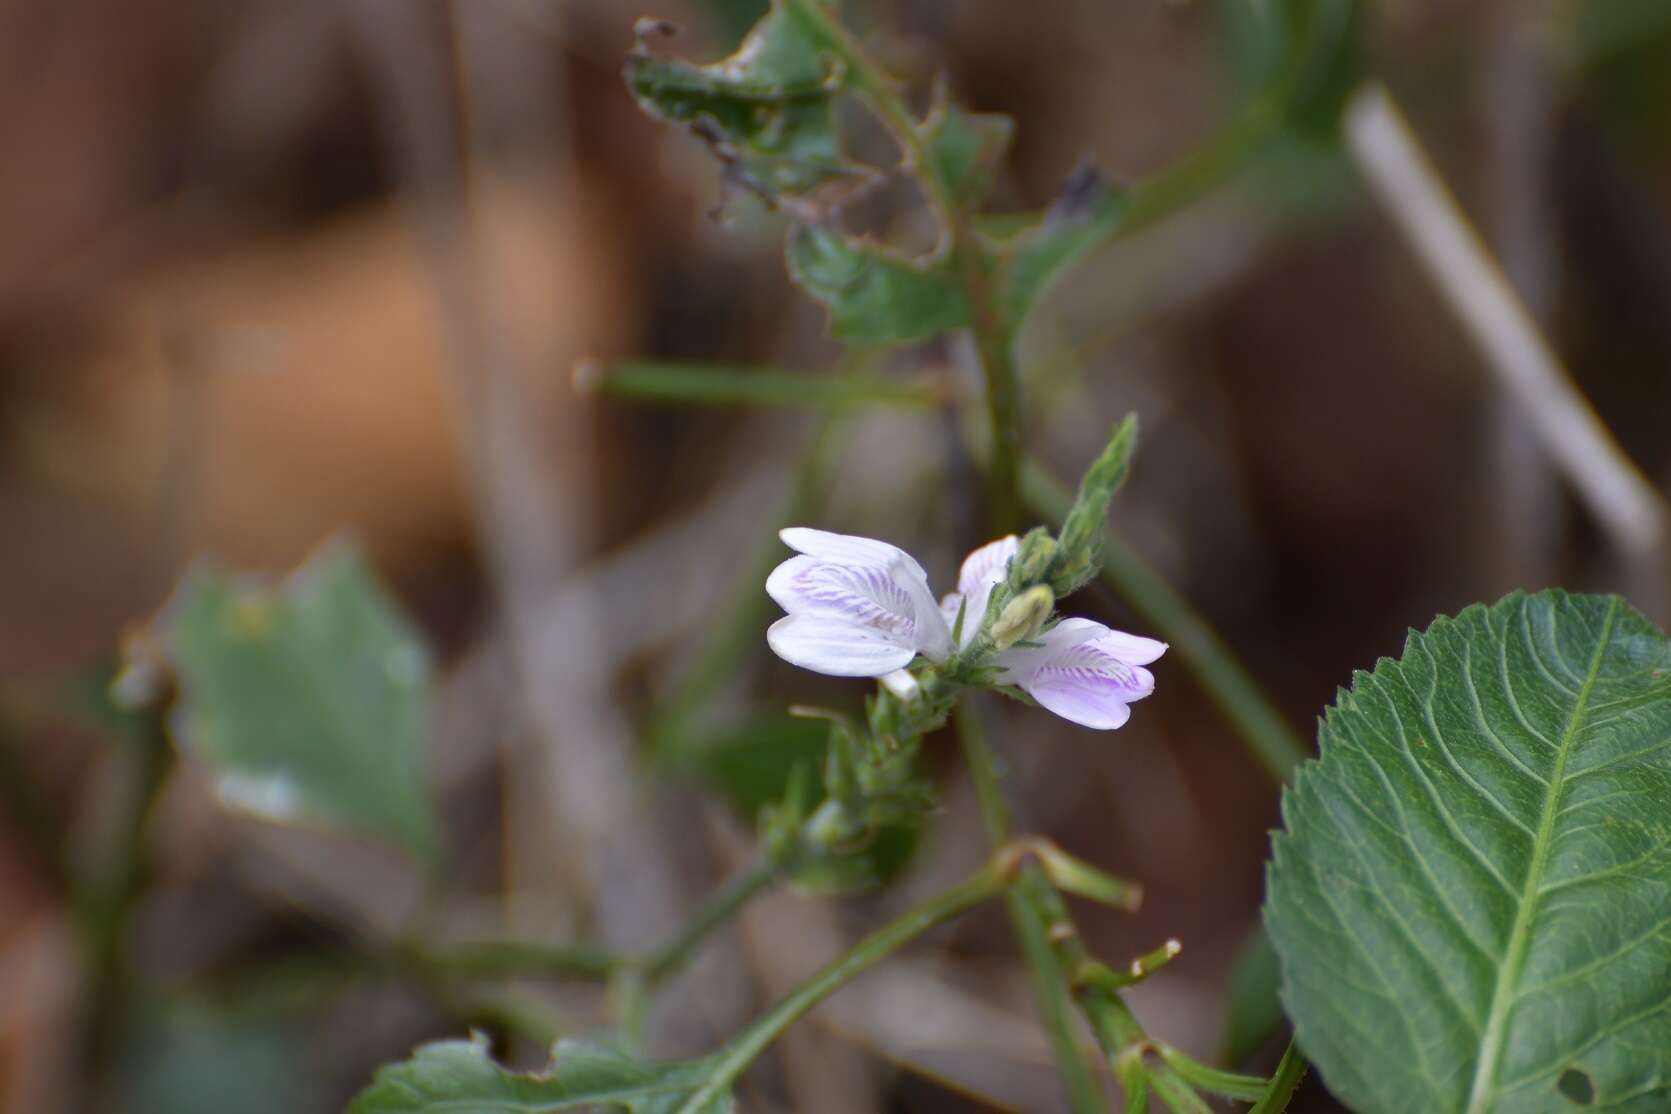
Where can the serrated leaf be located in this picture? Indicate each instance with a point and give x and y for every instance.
(458, 1077)
(1033, 257)
(875, 296)
(765, 111)
(307, 699)
(965, 150)
(1472, 899)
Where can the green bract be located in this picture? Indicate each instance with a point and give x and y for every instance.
(1472, 900)
(458, 1077)
(306, 700)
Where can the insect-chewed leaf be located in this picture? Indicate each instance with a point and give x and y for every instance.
(1472, 899)
(874, 295)
(307, 700)
(765, 111)
(458, 1076)
(965, 150)
(1032, 256)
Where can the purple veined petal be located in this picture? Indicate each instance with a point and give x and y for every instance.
(836, 648)
(885, 599)
(847, 549)
(1076, 675)
(1131, 648)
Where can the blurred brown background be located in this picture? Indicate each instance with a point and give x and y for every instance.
(273, 270)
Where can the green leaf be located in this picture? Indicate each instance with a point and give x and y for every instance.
(1254, 1010)
(765, 111)
(1032, 258)
(751, 764)
(875, 296)
(1472, 899)
(965, 150)
(307, 699)
(457, 1077)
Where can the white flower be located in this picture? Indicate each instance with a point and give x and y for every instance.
(862, 608)
(1084, 671)
(857, 607)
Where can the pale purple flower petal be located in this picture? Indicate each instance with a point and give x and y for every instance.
(872, 589)
(982, 571)
(847, 549)
(1079, 671)
(837, 648)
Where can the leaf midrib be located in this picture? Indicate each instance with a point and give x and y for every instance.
(1508, 976)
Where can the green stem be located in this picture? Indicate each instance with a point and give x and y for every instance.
(1192, 639)
(108, 900)
(718, 909)
(633, 983)
(490, 959)
(1283, 1084)
(1230, 1084)
(1175, 1091)
(958, 247)
(722, 385)
(731, 1062)
(1050, 983)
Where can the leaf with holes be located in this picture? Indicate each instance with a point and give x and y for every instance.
(307, 699)
(765, 111)
(1472, 899)
(458, 1077)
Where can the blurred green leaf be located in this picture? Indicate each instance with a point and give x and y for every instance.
(1031, 258)
(764, 111)
(965, 150)
(751, 764)
(1470, 898)
(306, 699)
(194, 1060)
(854, 870)
(874, 295)
(1254, 1010)
(457, 1077)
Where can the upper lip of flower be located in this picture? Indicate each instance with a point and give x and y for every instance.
(873, 590)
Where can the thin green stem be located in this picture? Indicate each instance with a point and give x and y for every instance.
(633, 983)
(1192, 638)
(109, 898)
(985, 884)
(1050, 983)
(1280, 1091)
(717, 910)
(723, 385)
(1175, 1091)
(490, 959)
(1230, 1084)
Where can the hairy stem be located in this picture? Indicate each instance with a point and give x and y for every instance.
(1050, 982)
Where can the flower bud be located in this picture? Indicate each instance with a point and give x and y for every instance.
(1032, 561)
(1023, 616)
